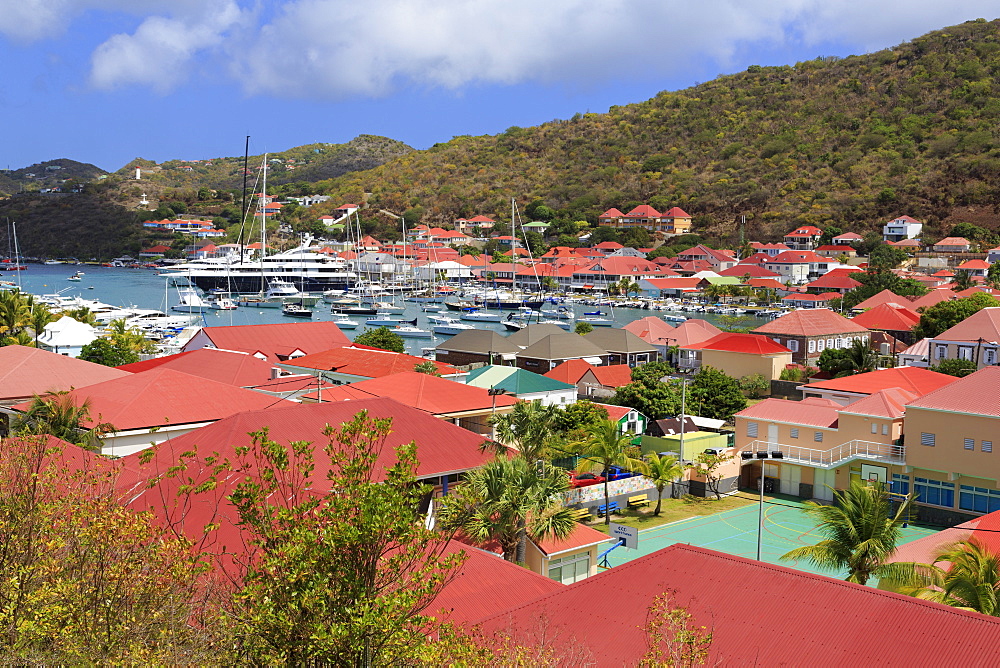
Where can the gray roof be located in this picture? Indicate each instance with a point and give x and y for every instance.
(533, 334)
(618, 340)
(562, 346)
(481, 341)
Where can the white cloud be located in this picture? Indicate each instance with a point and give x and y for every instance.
(31, 20)
(161, 50)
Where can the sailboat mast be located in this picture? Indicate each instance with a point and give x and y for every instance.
(263, 227)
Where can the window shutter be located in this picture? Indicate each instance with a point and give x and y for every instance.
(752, 429)
(927, 439)
(987, 446)
(970, 444)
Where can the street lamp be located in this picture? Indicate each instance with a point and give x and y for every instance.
(761, 455)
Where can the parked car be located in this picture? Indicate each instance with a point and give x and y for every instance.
(584, 479)
(618, 473)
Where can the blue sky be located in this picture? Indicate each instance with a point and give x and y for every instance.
(105, 81)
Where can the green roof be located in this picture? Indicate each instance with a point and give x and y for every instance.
(722, 280)
(537, 224)
(514, 380)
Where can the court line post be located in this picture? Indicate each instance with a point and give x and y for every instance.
(760, 510)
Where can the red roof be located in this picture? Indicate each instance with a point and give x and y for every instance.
(754, 270)
(811, 411)
(887, 296)
(884, 403)
(805, 230)
(888, 317)
(365, 362)
(984, 324)
(481, 219)
(224, 366)
(734, 342)
(609, 245)
(974, 264)
(643, 211)
(582, 536)
(160, 397)
(570, 371)
(474, 594)
(796, 257)
(676, 212)
(976, 394)
(615, 413)
(910, 378)
(612, 213)
(693, 330)
(758, 614)
(952, 241)
(834, 281)
(614, 375)
(25, 372)
(437, 396)
(849, 236)
(276, 341)
(933, 297)
(651, 329)
(810, 322)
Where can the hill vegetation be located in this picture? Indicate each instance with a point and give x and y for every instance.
(48, 174)
(832, 142)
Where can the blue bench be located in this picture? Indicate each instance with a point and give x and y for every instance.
(612, 507)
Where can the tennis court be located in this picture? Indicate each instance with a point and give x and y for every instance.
(786, 526)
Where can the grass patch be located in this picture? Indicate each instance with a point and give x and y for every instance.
(674, 510)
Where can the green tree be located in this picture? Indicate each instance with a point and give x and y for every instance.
(937, 318)
(129, 338)
(970, 581)
(660, 471)
(383, 338)
(860, 529)
(104, 351)
(339, 578)
(993, 275)
(652, 373)
(858, 358)
(508, 501)
(875, 281)
(428, 367)
(40, 317)
(578, 415)
(15, 313)
(583, 328)
(755, 385)
(707, 466)
(605, 446)
(885, 257)
(56, 414)
(529, 429)
(955, 367)
(715, 394)
(962, 280)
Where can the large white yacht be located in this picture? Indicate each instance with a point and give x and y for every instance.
(301, 266)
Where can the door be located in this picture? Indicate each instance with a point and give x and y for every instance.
(772, 434)
(791, 476)
(823, 485)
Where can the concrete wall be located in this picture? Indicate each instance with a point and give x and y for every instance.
(949, 455)
(738, 365)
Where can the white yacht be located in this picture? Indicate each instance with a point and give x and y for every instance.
(441, 324)
(189, 301)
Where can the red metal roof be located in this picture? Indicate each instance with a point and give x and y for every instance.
(25, 372)
(887, 296)
(735, 342)
(615, 413)
(976, 394)
(651, 329)
(161, 397)
(692, 330)
(884, 403)
(754, 270)
(676, 212)
(437, 396)
(225, 366)
(582, 536)
(984, 324)
(570, 371)
(933, 297)
(810, 322)
(365, 362)
(643, 211)
(810, 411)
(834, 281)
(888, 317)
(611, 213)
(614, 375)
(759, 614)
(910, 378)
(277, 339)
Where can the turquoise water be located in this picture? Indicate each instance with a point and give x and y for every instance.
(145, 289)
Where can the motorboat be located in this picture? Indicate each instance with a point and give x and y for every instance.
(674, 318)
(189, 301)
(412, 332)
(295, 310)
(220, 301)
(343, 322)
(432, 308)
(447, 326)
(514, 325)
(597, 322)
(480, 316)
(344, 310)
(382, 321)
(78, 276)
(563, 324)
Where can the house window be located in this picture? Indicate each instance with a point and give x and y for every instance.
(970, 444)
(986, 446)
(978, 499)
(819, 345)
(752, 429)
(794, 431)
(935, 492)
(812, 346)
(874, 427)
(927, 439)
(940, 352)
(990, 356)
(829, 343)
(793, 345)
(900, 484)
(965, 352)
(818, 437)
(885, 429)
(568, 570)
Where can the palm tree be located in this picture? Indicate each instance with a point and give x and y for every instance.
(40, 316)
(962, 280)
(861, 357)
(608, 446)
(661, 470)
(860, 529)
(529, 428)
(56, 414)
(129, 338)
(507, 501)
(971, 582)
(15, 313)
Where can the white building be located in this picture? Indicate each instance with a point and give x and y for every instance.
(66, 336)
(901, 228)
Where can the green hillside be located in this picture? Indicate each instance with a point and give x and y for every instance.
(303, 164)
(61, 173)
(848, 142)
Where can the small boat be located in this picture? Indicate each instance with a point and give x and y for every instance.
(339, 309)
(294, 310)
(53, 262)
(597, 322)
(432, 308)
(344, 323)
(514, 325)
(459, 305)
(563, 324)
(592, 313)
(219, 301)
(387, 307)
(189, 301)
(674, 318)
(412, 332)
(380, 321)
(451, 328)
(78, 276)
(480, 316)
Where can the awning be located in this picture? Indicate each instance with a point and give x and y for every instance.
(596, 361)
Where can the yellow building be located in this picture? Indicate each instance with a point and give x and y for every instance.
(737, 355)
(566, 560)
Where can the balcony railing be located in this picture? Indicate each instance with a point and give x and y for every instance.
(832, 457)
